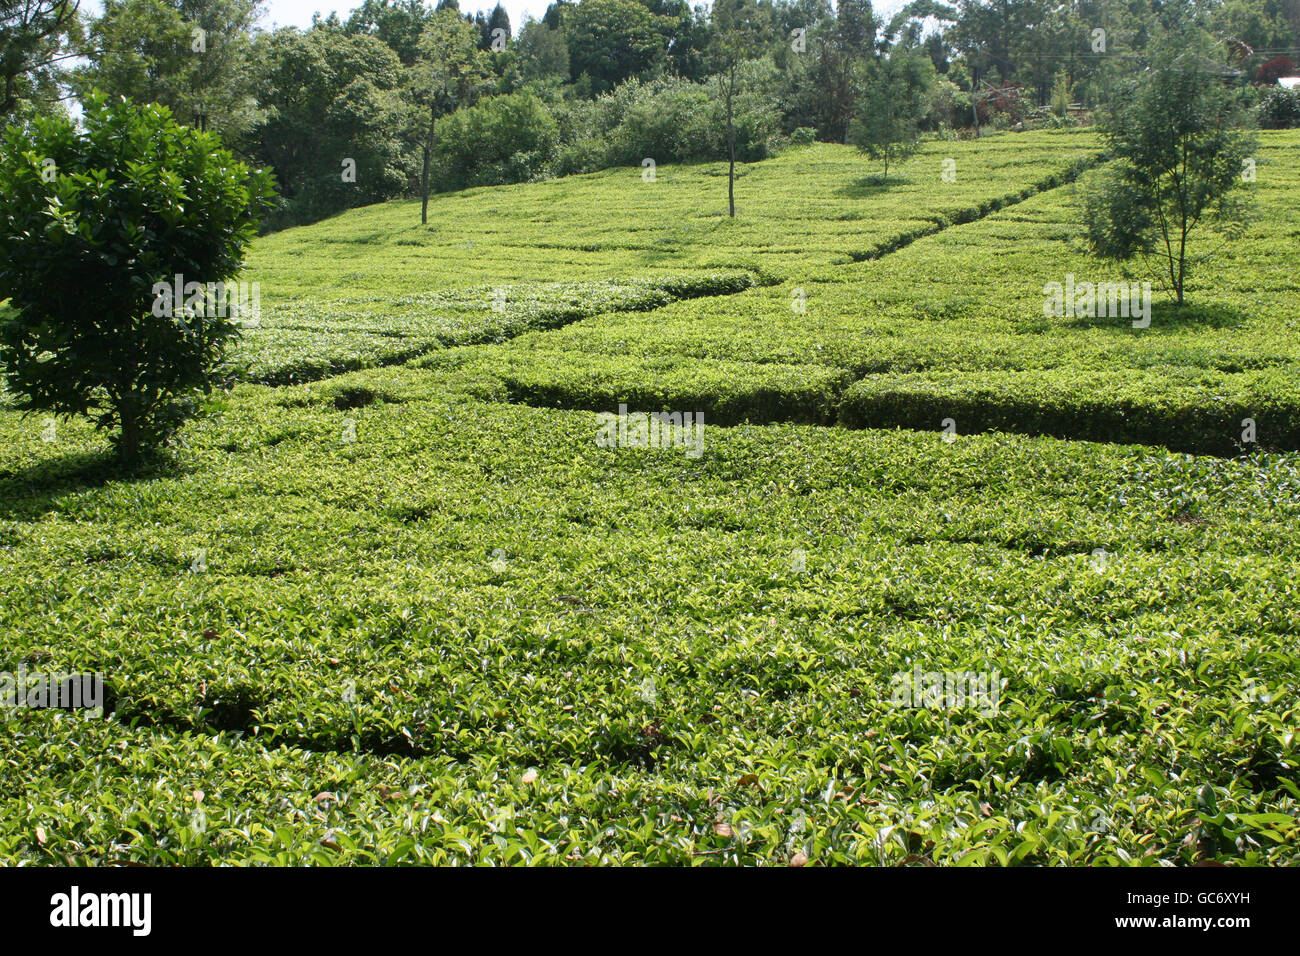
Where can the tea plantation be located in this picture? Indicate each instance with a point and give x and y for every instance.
(392, 602)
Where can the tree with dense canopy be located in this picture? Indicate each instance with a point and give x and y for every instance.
(1179, 147)
(91, 222)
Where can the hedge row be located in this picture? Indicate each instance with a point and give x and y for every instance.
(1182, 409)
(304, 341)
(728, 393)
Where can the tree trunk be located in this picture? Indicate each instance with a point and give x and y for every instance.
(424, 188)
(424, 179)
(129, 444)
(731, 145)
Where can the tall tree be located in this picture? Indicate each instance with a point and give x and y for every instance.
(33, 39)
(739, 27)
(498, 19)
(824, 92)
(543, 53)
(194, 56)
(452, 71)
(330, 99)
(611, 41)
(398, 23)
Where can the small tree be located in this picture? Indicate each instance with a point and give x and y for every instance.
(1061, 94)
(738, 32)
(895, 99)
(450, 73)
(1179, 147)
(90, 223)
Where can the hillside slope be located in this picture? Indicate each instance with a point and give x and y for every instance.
(419, 612)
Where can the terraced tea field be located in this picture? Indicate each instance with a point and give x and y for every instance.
(392, 602)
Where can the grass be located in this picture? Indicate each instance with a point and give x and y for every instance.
(953, 325)
(289, 345)
(803, 210)
(392, 603)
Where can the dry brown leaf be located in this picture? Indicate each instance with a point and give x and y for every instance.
(530, 775)
(799, 859)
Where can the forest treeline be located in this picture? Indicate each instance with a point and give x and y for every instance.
(404, 98)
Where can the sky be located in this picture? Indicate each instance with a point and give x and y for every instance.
(297, 13)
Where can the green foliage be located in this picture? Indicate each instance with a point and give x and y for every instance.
(726, 393)
(945, 310)
(193, 56)
(398, 23)
(611, 41)
(738, 30)
(370, 665)
(1061, 95)
(296, 344)
(1186, 409)
(34, 39)
(950, 106)
(562, 653)
(543, 52)
(505, 139)
(330, 98)
(895, 100)
(452, 73)
(1179, 152)
(670, 120)
(1280, 108)
(134, 200)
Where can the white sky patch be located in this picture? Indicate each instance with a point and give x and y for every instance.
(298, 13)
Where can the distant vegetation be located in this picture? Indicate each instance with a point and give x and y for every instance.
(402, 97)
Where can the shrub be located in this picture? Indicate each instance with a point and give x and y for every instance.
(506, 139)
(1280, 108)
(1179, 148)
(1270, 70)
(671, 120)
(949, 106)
(89, 222)
(668, 121)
